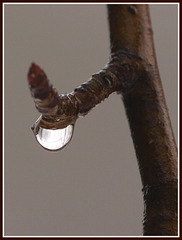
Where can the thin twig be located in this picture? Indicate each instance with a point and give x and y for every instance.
(66, 108)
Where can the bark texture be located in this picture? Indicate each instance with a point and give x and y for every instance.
(58, 111)
(133, 72)
(130, 30)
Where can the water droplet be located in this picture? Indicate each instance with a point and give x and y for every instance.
(54, 139)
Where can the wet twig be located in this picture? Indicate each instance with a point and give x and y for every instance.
(133, 72)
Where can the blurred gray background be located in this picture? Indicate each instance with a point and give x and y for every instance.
(92, 187)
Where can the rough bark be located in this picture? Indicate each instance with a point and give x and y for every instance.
(130, 29)
(60, 110)
(133, 72)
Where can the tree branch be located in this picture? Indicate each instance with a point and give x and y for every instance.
(149, 121)
(61, 110)
(132, 71)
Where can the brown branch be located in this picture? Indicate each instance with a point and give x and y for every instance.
(149, 121)
(133, 72)
(60, 111)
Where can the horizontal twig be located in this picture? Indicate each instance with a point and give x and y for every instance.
(65, 108)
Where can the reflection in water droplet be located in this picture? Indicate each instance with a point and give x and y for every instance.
(54, 139)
